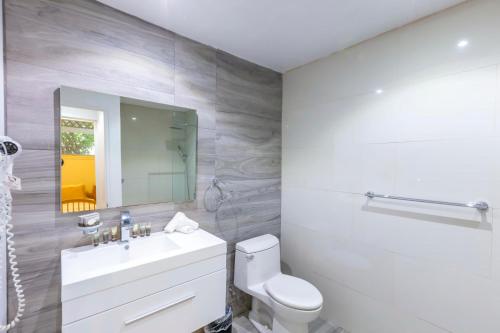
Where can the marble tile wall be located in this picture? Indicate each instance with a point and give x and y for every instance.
(87, 45)
(389, 266)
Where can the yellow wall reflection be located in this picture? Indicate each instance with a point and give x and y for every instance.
(78, 186)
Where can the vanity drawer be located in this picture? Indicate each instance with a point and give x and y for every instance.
(86, 306)
(181, 309)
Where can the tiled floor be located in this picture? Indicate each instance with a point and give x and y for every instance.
(243, 325)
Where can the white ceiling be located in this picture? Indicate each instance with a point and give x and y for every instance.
(280, 34)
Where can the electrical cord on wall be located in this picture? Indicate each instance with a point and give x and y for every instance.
(8, 150)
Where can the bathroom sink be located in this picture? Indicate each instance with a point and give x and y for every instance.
(83, 262)
(88, 269)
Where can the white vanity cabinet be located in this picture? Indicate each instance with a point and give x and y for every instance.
(178, 290)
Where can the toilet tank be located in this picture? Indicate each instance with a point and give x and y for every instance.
(256, 260)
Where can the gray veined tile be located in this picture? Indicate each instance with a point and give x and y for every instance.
(194, 56)
(237, 187)
(127, 69)
(195, 79)
(247, 88)
(231, 98)
(87, 45)
(94, 23)
(32, 135)
(37, 107)
(46, 321)
(248, 204)
(196, 91)
(248, 167)
(195, 86)
(243, 134)
(52, 47)
(204, 110)
(37, 170)
(206, 143)
(92, 11)
(235, 217)
(23, 77)
(244, 73)
(235, 229)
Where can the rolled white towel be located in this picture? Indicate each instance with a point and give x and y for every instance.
(180, 222)
(186, 229)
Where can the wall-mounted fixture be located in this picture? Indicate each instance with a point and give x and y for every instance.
(120, 151)
(479, 205)
(90, 223)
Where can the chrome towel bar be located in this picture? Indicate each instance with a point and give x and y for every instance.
(479, 205)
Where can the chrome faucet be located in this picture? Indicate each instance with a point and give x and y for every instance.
(125, 225)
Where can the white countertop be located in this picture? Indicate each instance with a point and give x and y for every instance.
(89, 269)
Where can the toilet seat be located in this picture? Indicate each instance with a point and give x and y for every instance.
(294, 292)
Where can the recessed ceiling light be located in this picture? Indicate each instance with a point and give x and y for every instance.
(134, 118)
(463, 43)
(379, 91)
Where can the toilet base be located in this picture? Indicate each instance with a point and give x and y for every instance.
(260, 327)
(279, 327)
(287, 327)
(261, 316)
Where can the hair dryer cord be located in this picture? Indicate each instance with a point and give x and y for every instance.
(9, 150)
(5, 215)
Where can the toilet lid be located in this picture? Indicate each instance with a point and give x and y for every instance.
(294, 292)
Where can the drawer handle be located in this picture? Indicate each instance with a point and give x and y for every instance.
(161, 308)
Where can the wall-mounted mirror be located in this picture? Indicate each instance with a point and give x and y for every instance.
(118, 151)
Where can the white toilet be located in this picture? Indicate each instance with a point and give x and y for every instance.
(294, 302)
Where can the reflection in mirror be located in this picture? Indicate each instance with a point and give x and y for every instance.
(165, 143)
(119, 151)
(78, 153)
